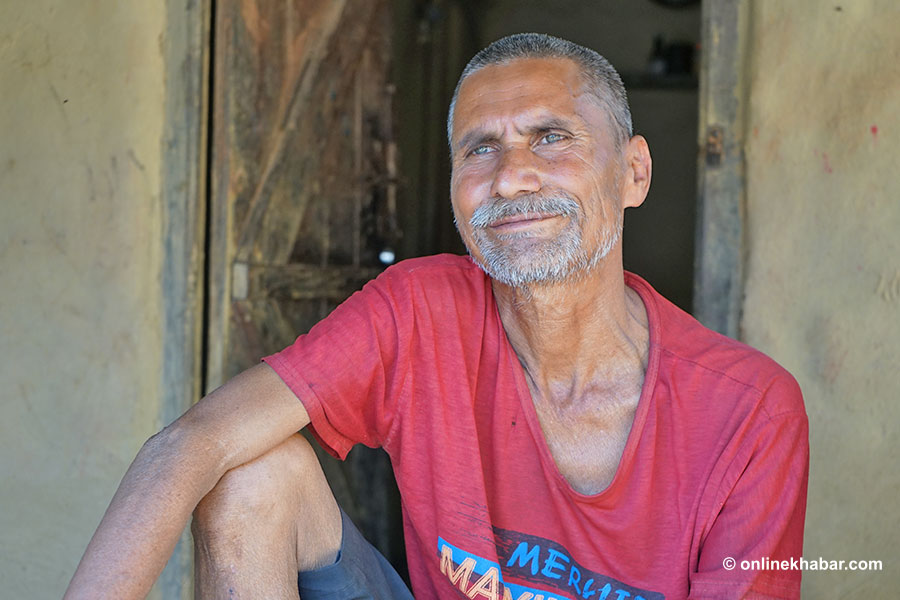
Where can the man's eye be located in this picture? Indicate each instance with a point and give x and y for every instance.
(552, 137)
(482, 149)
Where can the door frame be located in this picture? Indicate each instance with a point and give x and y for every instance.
(721, 202)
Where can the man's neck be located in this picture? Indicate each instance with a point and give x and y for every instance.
(579, 338)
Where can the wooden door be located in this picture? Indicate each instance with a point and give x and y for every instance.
(302, 195)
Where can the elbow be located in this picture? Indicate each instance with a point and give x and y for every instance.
(185, 446)
(169, 440)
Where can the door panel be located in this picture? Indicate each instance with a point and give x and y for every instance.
(301, 194)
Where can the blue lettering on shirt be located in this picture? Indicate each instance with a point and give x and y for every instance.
(523, 554)
(525, 561)
(553, 562)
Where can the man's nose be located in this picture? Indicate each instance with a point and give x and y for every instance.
(517, 173)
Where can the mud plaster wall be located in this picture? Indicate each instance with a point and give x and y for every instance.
(823, 262)
(81, 116)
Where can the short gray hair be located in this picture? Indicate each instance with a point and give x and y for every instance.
(601, 78)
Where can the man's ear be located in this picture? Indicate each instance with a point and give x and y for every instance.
(638, 170)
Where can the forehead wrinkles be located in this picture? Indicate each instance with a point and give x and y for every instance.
(506, 90)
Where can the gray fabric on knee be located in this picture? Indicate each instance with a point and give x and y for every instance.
(360, 573)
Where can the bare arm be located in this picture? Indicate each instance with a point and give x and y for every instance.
(173, 471)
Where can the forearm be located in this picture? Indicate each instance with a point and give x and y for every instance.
(138, 533)
(175, 469)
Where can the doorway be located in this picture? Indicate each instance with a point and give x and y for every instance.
(328, 148)
(654, 46)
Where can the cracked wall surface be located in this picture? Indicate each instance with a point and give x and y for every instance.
(823, 262)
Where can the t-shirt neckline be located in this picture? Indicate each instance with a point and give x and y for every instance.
(646, 294)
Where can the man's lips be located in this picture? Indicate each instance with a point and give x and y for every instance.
(520, 220)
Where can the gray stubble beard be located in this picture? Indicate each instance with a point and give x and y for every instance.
(544, 261)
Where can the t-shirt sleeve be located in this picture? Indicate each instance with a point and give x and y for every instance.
(349, 369)
(762, 506)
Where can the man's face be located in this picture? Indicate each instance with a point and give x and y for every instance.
(535, 183)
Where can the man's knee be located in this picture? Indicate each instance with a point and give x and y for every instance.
(268, 491)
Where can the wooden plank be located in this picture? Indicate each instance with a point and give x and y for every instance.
(299, 281)
(718, 264)
(301, 172)
(304, 52)
(186, 48)
(219, 245)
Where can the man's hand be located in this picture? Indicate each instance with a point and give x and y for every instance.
(173, 471)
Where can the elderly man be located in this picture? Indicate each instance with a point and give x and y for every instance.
(557, 428)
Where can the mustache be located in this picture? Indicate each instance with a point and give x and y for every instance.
(556, 203)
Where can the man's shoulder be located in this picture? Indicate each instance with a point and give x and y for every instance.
(439, 284)
(423, 266)
(439, 272)
(690, 349)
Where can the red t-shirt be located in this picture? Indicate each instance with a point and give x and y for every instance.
(715, 464)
